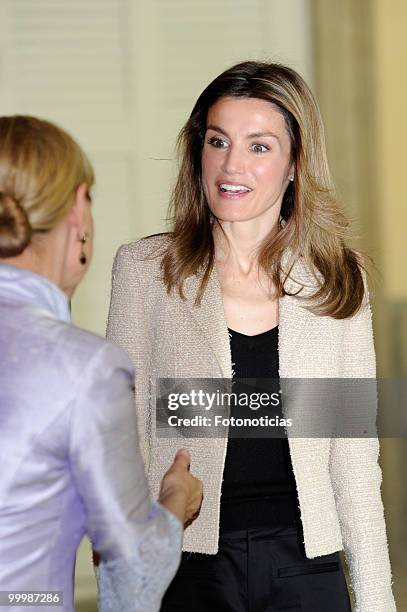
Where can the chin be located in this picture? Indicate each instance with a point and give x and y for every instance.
(228, 218)
(223, 213)
(238, 216)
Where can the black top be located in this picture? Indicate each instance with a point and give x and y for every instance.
(258, 482)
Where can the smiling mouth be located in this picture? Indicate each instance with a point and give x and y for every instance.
(233, 189)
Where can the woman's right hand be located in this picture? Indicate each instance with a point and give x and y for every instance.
(180, 492)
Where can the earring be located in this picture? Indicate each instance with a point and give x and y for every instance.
(82, 255)
(291, 177)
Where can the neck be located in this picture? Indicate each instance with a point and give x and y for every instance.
(44, 256)
(237, 244)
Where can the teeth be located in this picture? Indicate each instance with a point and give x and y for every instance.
(227, 187)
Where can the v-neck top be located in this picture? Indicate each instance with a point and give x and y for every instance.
(258, 481)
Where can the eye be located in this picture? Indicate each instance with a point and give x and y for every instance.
(217, 142)
(259, 148)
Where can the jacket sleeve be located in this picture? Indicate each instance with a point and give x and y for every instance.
(138, 543)
(356, 479)
(129, 326)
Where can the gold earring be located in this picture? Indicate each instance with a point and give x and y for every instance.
(82, 256)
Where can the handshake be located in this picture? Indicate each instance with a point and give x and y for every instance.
(180, 492)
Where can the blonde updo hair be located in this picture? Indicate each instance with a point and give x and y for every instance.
(41, 167)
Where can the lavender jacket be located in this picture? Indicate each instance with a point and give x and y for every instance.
(69, 458)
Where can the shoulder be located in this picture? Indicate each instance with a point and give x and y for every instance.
(141, 259)
(303, 279)
(50, 359)
(89, 345)
(150, 247)
(298, 276)
(79, 350)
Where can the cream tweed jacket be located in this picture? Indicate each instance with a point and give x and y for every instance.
(338, 480)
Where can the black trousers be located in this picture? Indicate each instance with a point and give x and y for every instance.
(258, 570)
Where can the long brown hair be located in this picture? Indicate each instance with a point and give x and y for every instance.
(313, 226)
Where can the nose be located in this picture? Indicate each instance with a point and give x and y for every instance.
(233, 162)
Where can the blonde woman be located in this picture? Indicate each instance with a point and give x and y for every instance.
(69, 454)
(256, 280)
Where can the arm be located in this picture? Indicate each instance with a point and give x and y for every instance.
(138, 543)
(129, 326)
(356, 479)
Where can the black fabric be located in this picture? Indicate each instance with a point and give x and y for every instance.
(258, 570)
(258, 487)
(261, 565)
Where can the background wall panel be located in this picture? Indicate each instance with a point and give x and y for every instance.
(122, 77)
(360, 52)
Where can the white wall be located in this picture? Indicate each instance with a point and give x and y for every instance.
(122, 77)
(390, 57)
(172, 50)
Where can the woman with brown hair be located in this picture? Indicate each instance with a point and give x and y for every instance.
(256, 280)
(69, 453)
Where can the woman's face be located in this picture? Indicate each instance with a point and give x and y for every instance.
(246, 160)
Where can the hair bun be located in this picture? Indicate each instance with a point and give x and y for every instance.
(15, 228)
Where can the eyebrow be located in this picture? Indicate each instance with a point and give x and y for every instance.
(216, 128)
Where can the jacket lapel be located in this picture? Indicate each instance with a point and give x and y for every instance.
(293, 337)
(294, 322)
(295, 326)
(210, 317)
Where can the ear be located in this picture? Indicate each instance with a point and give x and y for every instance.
(291, 171)
(76, 217)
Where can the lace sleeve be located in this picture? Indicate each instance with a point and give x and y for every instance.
(138, 582)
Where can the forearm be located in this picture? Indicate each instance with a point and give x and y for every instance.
(356, 479)
(137, 583)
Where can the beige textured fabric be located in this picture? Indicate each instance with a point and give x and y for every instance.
(338, 480)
